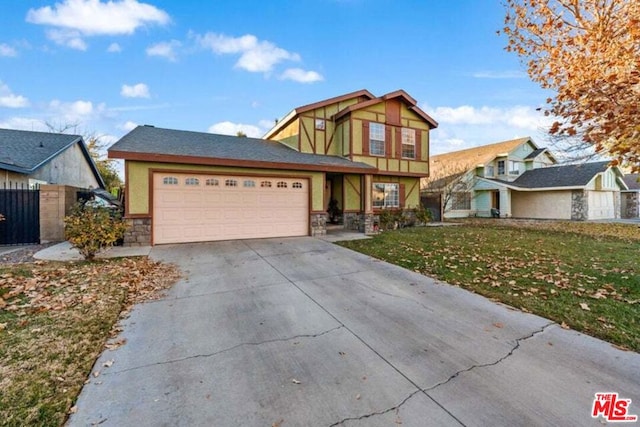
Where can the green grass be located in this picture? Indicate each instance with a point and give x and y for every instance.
(575, 277)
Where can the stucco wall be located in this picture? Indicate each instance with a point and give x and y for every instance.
(68, 168)
(543, 204)
(138, 181)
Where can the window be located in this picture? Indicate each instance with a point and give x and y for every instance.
(460, 201)
(376, 139)
(500, 167)
(297, 185)
(489, 171)
(281, 184)
(170, 180)
(320, 124)
(265, 184)
(230, 183)
(514, 168)
(408, 143)
(192, 181)
(249, 183)
(386, 195)
(211, 182)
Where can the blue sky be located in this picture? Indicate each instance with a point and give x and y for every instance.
(223, 66)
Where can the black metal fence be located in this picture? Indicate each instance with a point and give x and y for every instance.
(20, 210)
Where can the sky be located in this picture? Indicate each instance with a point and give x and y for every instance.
(103, 67)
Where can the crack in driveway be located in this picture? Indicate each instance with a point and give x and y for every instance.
(453, 376)
(216, 353)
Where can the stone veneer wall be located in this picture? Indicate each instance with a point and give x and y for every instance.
(352, 221)
(616, 205)
(138, 233)
(630, 204)
(579, 205)
(318, 224)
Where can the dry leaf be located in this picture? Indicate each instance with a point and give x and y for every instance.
(564, 326)
(108, 363)
(585, 306)
(96, 374)
(295, 381)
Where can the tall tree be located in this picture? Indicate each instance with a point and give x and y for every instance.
(588, 52)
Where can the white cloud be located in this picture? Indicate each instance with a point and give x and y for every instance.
(301, 76)
(139, 90)
(114, 48)
(258, 56)
(24, 123)
(10, 100)
(128, 126)
(6, 50)
(75, 19)
(229, 128)
(80, 111)
(165, 50)
(521, 117)
(508, 74)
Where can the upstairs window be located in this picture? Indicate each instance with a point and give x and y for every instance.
(408, 143)
(489, 171)
(320, 124)
(514, 168)
(501, 167)
(376, 139)
(386, 195)
(170, 180)
(192, 181)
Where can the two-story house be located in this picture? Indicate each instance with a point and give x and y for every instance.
(518, 179)
(355, 154)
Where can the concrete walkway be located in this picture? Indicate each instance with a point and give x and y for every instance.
(300, 332)
(64, 252)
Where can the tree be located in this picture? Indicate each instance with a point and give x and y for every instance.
(241, 134)
(453, 180)
(588, 53)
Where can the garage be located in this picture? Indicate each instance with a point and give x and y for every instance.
(601, 205)
(199, 207)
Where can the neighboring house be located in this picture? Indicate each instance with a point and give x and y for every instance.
(518, 179)
(31, 158)
(631, 196)
(357, 152)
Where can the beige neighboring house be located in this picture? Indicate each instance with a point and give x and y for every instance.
(631, 196)
(518, 179)
(30, 158)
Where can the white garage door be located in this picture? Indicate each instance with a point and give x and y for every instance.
(601, 205)
(198, 208)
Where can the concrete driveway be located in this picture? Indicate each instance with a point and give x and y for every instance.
(300, 332)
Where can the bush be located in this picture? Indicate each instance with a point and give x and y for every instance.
(390, 219)
(423, 215)
(91, 229)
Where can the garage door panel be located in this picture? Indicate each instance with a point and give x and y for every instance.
(203, 212)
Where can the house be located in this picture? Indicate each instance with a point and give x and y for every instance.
(518, 179)
(356, 152)
(631, 196)
(31, 158)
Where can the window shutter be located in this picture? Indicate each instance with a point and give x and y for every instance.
(401, 195)
(398, 143)
(418, 144)
(387, 141)
(365, 138)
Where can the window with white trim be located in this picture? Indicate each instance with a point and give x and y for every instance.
(265, 184)
(408, 143)
(230, 183)
(489, 171)
(501, 167)
(376, 139)
(461, 200)
(386, 195)
(170, 180)
(281, 184)
(514, 168)
(249, 183)
(211, 182)
(296, 185)
(192, 181)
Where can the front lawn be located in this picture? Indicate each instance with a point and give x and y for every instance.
(54, 321)
(575, 275)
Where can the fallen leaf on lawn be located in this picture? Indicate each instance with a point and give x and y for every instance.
(108, 363)
(564, 326)
(295, 381)
(73, 409)
(585, 306)
(96, 374)
(3, 304)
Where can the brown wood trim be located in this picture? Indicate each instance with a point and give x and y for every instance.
(351, 211)
(150, 204)
(311, 142)
(126, 188)
(324, 103)
(326, 147)
(406, 174)
(137, 216)
(214, 161)
(353, 186)
(418, 148)
(350, 138)
(316, 212)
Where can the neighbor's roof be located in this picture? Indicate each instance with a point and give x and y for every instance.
(560, 176)
(152, 144)
(632, 181)
(27, 151)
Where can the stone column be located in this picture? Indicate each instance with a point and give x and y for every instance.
(579, 205)
(138, 233)
(318, 223)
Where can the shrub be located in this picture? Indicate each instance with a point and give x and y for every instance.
(91, 229)
(390, 219)
(423, 215)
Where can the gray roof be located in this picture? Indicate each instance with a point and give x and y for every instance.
(560, 176)
(535, 153)
(632, 181)
(153, 141)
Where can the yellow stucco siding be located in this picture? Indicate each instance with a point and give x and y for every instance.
(138, 181)
(352, 192)
(289, 134)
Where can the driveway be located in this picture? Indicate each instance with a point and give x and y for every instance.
(301, 332)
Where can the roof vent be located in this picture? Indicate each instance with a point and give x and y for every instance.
(149, 126)
(41, 145)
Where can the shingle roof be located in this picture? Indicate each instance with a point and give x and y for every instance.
(535, 153)
(560, 176)
(632, 181)
(148, 143)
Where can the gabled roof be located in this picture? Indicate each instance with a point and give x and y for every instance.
(535, 153)
(26, 151)
(632, 181)
(561, 176)
(151, 144)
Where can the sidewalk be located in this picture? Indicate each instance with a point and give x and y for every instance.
(64, 252)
